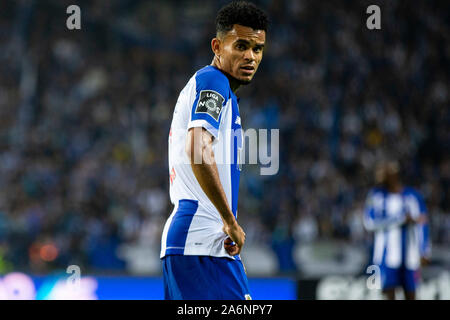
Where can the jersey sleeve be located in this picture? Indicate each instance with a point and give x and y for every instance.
(210, 99)
(369, 212)
(424, 228)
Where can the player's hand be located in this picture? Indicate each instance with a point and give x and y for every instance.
(424, 261)
(237, 235)
(422, 219)
(231, 247)
(409, 219)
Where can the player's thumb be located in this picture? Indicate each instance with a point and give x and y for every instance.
(225, 230)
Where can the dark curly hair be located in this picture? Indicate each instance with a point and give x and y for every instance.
(243, 13)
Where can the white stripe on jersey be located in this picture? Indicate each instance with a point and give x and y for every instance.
(379, 246)
(394, 208)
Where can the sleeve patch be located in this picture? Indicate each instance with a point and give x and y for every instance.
(210, 102)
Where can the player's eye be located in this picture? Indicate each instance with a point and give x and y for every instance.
(257, 49)
(241, 46)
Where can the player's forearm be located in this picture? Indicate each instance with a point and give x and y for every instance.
(208, 178)
(383, 223)
(207, 175)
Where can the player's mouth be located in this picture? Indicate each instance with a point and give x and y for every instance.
(248, 69)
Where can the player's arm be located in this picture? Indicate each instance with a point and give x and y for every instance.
(424, 231)
(376, 224)
(199, 150)
(425, 242)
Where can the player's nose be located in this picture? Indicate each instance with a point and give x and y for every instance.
(249, 55)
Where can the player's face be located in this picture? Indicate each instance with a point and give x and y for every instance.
(241, 52)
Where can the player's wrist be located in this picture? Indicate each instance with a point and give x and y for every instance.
(230, 222)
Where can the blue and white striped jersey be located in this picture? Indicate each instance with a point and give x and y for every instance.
(395, 243)
(195, 226)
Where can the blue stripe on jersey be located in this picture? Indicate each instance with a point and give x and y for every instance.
(425, 241)
(179, 227)
(210, 78)
(237, 146)
(404, 244)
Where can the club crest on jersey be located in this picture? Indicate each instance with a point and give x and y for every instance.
(210, 102)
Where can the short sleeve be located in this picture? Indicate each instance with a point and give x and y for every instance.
(422, 205)
(212, 90)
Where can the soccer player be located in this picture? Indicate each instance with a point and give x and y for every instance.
(398, 217)
(202, 239)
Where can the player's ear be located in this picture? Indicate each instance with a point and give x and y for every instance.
(215, 46)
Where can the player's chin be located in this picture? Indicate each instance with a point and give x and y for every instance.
(245, 77)
(245, 80)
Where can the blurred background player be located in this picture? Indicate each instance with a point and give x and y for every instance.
(397, 216)
(200, 260)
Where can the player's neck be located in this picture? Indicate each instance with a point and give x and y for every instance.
(395, 188)
(234, 83)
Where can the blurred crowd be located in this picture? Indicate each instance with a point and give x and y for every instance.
(85, 116)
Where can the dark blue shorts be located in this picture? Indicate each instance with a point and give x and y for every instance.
(399, 277)
(204, 278)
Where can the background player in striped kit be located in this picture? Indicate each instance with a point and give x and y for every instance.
(397, 216)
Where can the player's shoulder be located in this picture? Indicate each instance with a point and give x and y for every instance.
(413, 193)
(211, 78)
(408, 190)
(376, 191)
